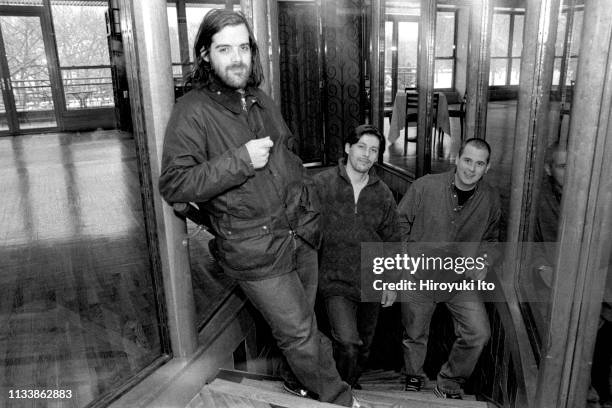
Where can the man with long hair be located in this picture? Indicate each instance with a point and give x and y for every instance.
(227, 148)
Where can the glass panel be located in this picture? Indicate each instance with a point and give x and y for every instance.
(498, 72)
(80, 33)
(388, 61)
(500, 35)
(88, 88)
(3, 116)
(537, 271)
(445, 34)
(30, 81)
(175, 50)
(195, 14)
(517, 35)
(557, 71)
(571, 71)
(82, 46)
(443, 73)
(408, 41)
(79, 304)
(515, 71)
(576, 30)
(560, 34)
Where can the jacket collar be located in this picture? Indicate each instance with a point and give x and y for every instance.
(230, 98)
(373, 177)
(451, 180)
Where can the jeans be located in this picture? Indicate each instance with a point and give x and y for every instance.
(352, 327)
(287, 304)
(471, 328)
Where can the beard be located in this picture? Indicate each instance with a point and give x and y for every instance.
(235, 76)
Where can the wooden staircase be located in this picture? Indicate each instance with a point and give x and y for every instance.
(381, 389)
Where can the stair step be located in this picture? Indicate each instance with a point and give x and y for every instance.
(413, 400)
(282, 399)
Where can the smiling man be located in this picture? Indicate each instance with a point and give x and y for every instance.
(356, 207)
(453, 207)
(227, 148)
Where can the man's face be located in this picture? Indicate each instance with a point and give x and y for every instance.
(557, 170)
(230, 56)
(363, 154)
(471, 166)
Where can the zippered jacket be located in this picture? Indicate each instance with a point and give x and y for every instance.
(346, 224)
(255, 215)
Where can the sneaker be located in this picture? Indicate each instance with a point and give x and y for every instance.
(299, 390)
(413, 383)
(447, 395)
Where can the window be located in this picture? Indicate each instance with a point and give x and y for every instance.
(82, 47)
(401, 45)
(572, 49)
(444, 64)
(506, 47)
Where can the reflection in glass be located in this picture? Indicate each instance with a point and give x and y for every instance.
(79, 307)
(537, 273)
(3, 117)
(84, 64)
(30, 83)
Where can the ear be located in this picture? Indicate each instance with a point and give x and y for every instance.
(547, 169)
(347, 148)
(204, 54)
(487, 168)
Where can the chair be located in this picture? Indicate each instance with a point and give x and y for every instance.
(459, 113)
(412, 115)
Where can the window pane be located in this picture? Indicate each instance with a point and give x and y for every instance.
(80, 33)
(388, 61)
(560, 34)
(175, 50)
(557, 71)
(408, 41)
(571, 71)
(576, 30)
(443, 73)
(500, 33)
(445, 34)
(88, 88)
(195, 13)
(499, 68)
(517, 35)
(516, 71)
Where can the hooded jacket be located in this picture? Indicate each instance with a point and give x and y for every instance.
(254, 214)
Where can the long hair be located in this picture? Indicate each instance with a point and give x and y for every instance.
(213, 22)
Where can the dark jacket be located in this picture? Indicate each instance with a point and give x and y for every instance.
(429, 213)
(253, 213)
(345, 225)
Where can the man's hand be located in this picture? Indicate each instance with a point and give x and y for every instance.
(388, 297)
(259, 151)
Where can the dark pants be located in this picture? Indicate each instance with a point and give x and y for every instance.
(352, 327)
(471, 328)
(287, 304)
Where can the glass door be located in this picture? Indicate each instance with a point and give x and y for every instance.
(26, 82)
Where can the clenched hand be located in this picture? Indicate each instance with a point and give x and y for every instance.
(259, 151)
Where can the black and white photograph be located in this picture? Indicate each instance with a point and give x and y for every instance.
(306, 203)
